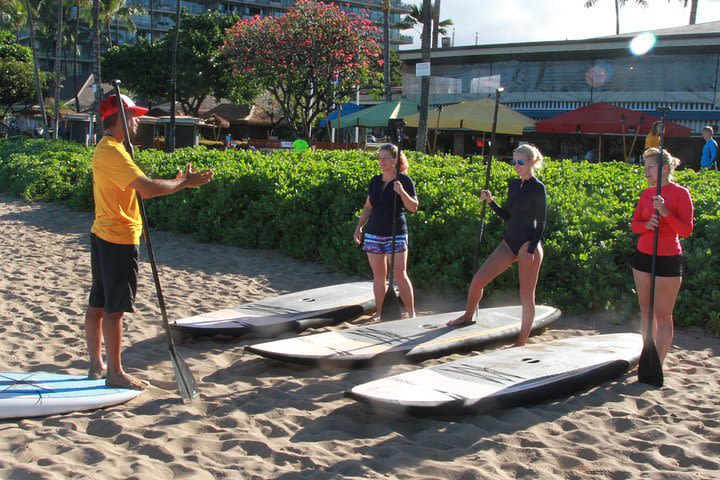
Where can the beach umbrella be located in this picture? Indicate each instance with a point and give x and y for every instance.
(604, 119)
(379, 115)
(476, 115)
(345, 110)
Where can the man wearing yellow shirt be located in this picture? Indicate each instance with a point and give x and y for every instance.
(115, 236)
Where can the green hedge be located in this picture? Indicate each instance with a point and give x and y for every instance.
(306, 205)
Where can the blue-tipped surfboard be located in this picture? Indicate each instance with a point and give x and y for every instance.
(296, 311)
(404, 340)
(504, 378)
(24, 394)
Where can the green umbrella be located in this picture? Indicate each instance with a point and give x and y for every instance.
(379, 115)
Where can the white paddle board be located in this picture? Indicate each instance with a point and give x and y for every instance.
(292, 312)
(403, 340)
(24, 394)
(505, 378)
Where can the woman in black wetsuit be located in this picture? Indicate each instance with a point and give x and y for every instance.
(524, 210)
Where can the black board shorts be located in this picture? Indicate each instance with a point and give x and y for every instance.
(114, 275)
(672, 266)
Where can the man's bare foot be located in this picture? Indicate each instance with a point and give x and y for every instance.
(126, 381)
(460, 322)
(96, 372)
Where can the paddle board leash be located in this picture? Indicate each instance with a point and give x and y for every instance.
(391, 304)
(184, 378)
(649, 367)
(498, 93)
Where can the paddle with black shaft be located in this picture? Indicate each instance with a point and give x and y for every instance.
(498, 92)
(650, 367)
(184, 378)
(391, 305)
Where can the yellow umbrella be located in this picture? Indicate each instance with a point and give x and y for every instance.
(475, 115)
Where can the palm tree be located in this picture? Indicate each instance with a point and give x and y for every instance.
(693, 9)
(13, 15)
(58, 54)
(415, 17)
(152, 22)
(425, 82)
(96, 60)
(618, 4)
(31, 13)
(80, 6)
(386, 50)
(170, 136)
(117, 10)
(436, 24)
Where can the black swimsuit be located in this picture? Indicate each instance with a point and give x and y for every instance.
(524, 210)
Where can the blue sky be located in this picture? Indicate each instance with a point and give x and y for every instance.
(504, 21)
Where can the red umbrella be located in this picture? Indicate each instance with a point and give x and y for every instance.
(603, 118)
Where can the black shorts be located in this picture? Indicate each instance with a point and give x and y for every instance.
(672, 266)
(114, 275)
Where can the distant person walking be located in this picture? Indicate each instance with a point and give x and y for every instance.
(709, 156)
(115, 236)
(374, 227)
(524, 210)
(653, 138)
(675, 220)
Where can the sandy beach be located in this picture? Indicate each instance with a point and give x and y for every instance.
(259, 419)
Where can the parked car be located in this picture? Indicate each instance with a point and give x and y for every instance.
(373, 139)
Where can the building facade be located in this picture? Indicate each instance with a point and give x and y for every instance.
(544, 79)
(157, 17)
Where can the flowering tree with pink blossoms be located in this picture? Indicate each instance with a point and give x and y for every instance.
(310, 59)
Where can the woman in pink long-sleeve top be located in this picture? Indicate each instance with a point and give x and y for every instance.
(675, 220)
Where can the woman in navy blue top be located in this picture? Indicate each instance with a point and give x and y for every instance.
(374, 228)
(524, 210)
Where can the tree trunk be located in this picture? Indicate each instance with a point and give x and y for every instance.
(170, 137)
(617, 17)
(75, 62)
(436, 24)
(36, 69)
(152, 22)
(58, 54)
(96, 65)
(425, 82)
(386, 50)
(693, 11)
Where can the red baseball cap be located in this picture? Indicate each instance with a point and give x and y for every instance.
(109, 106)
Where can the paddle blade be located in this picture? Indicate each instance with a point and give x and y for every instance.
(649, 367)
(390, 306)
(183, 376)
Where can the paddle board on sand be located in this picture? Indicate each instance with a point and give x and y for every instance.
(403, 340)
(24, 394)
(292, 312)
(505, 378)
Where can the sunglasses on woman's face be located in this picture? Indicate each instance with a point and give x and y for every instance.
(519, 162)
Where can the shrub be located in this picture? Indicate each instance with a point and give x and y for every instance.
(306, 205)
